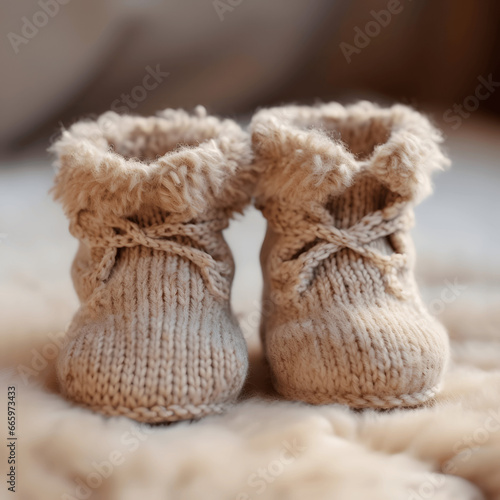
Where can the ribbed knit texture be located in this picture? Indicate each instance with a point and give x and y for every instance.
(344, 321)
(154, 338)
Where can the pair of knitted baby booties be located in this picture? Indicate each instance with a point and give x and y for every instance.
(155, 338)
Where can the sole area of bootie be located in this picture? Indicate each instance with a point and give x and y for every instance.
(155, 414)
(112, 404)
(359, 401)
(163, 414)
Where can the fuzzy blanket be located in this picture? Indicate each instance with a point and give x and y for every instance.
(264, 448)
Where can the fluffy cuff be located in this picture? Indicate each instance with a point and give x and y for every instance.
(177, 162)
(312, 153)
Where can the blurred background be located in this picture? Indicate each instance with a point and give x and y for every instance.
(66, 59)
(63, 60)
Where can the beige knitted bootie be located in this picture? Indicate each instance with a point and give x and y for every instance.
(343, 320)
(148, 198)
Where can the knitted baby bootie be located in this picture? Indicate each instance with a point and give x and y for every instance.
(148, 198)
(343, 320)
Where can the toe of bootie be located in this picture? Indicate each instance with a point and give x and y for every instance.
(156, 377)
(380, 357)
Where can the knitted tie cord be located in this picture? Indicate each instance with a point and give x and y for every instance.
(343, 320)
(154, 338)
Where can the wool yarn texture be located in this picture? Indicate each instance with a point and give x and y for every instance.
(148, 198)
(343, 319)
